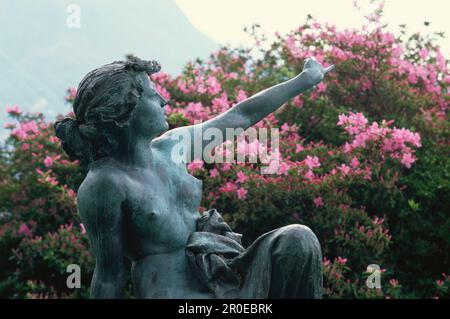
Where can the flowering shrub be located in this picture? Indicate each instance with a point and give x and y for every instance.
(49, 257)
(362, 160)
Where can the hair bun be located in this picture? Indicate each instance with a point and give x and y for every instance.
(62, 128)
(135, 63)
(75, 145)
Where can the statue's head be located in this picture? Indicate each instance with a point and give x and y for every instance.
(115, 102)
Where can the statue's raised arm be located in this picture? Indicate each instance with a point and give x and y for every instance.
(253, 109)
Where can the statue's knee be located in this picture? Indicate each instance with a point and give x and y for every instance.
(300, 239)
(297, 232)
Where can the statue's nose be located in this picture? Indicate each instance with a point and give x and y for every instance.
(164, 102)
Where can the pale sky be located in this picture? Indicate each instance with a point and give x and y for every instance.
(223, 20)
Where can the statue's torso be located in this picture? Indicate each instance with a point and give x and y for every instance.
(159, 214)
(161, 209)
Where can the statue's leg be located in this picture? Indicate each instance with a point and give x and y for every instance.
(296, 263)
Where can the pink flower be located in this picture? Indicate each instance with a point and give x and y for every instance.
(355, 162)
(297, 101)
(360, 140)
(242, 95)
(348, 147)
(228, 187)
(412, 78)
(83, 230)
(251, 149)
(30, 126)
(14, 110)
(423, 54)
(401, 136)
(226, 167)
(344, 169)
(19, 133)
(309, 175)
(447, 80)
(318, 201)
(71, 193)
(9, 125)
(195, 111)
(48, 161)
(241, 177)
(23, 229)
(52, 180)
(232, 75)
(378, 221)
(221, 104)
(353, 123)
(71, 93)
(299, 148)
(53, 139)
(274, 166)
(283, 168)
(407, 160)
(312, 162)
(214, 172)
(25, 146)
(338, 53)
(321, 87)
(341, 261)
(441, 60)
(285, 128)
(195, 165)
(294, 48)
(213, 85)
(182, 86)
(241, 193)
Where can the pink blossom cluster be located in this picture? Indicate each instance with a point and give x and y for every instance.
(200, 84)
(394, 142)
(24, 129)
(13, 110)
(422, 70)
(71, 94)
(231, 187)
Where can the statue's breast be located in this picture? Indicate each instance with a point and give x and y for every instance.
(161, 210)
(187, 189)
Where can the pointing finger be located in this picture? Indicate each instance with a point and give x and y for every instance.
(330, 68)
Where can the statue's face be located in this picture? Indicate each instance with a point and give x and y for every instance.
(149, 117)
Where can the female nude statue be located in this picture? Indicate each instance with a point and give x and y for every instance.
(137, 202)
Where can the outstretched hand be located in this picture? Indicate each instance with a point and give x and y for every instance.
(316, 72)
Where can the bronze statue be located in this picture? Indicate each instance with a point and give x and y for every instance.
(137, 202)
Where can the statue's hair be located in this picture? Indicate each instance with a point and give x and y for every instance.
(105, 100)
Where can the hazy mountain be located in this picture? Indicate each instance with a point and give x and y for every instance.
(40, 56)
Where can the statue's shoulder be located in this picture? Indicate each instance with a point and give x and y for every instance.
(174, 142)
(104, 178)
(166, 140)
(100, 196)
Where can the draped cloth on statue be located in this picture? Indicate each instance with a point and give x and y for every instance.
(283, 263)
